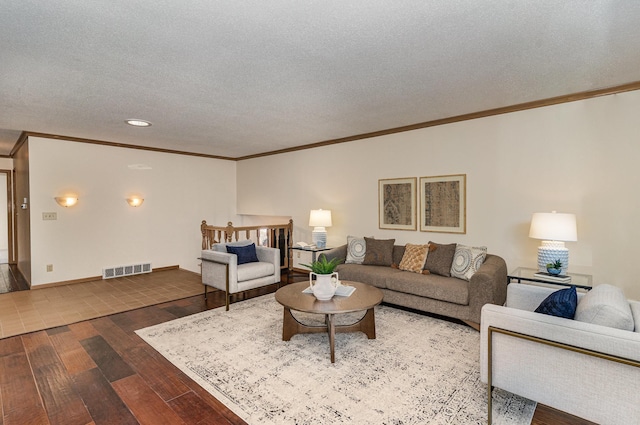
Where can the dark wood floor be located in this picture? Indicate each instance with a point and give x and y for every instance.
(100, 372)
(11, 280)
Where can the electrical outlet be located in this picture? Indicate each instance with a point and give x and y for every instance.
(49, 267)
(49, 216)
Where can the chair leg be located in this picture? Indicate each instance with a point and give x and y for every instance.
(227, 287)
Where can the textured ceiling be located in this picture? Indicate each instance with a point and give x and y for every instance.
(237, 78)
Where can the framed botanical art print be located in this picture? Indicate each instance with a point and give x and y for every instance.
(443, 204)
(397, 204)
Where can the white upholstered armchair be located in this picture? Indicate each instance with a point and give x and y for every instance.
(221, 270)
(585, 369)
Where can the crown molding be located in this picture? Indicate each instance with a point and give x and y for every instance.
(465, 117)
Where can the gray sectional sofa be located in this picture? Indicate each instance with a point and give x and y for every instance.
(446, 296)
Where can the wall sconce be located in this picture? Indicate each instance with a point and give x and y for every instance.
(67, 201)
(135, 201)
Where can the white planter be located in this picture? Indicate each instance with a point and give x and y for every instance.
(324, 286)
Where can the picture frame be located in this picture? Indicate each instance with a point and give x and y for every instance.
(443, 204)
(397, 203)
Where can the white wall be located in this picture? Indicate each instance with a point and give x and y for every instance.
(102, 229)
(580, 157)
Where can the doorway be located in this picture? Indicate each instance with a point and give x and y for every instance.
(8, 280)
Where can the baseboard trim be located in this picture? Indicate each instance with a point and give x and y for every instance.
(190, 271)
(94, 278)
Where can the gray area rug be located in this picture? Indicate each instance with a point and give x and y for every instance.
(419, 370)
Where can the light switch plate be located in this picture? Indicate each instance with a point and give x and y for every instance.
(49, 216)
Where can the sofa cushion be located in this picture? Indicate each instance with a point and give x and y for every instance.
(560, 303)
(379, 252)
(372, 275)
(254, 270)
(398, 253)
(467, 260)
(414, 258)
(431, 286)
(440, 258)
(605, 305)
(356, 248)
(246, 254)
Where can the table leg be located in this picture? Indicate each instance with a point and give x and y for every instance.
(289, 325)
(332, 336)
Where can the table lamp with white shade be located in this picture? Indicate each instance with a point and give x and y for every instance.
(319, 220)
(554, 229)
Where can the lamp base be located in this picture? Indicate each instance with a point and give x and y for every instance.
(550, 252)
(319, 237)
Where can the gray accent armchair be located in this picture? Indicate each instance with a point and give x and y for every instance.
(221, 270)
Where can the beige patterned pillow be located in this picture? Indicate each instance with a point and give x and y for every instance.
(414, 258)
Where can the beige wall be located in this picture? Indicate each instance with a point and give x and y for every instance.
(578, 157)
(102, 230)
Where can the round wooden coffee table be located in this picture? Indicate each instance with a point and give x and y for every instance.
(365, 297)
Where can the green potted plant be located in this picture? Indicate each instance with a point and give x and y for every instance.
(326, 278)
(322, 266)
(554, 268)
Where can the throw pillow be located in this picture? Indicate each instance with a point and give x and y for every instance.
(606, 305)
(356, 248)
(561, 303)
(467, 260)
(440, 258)
(379, 252)
(414, 258)
(246, 254)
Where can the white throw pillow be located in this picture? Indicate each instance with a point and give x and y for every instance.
(356, 249)
(467, 260)
(605, 305)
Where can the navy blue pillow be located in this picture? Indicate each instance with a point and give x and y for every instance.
(246, 254)
(561, 303)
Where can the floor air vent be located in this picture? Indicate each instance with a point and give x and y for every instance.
(128, 270)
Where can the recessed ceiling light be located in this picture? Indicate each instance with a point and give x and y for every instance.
(138, 123)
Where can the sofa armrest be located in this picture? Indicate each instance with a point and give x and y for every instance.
(339, 252)
(487, 286)
(219, 257)
(270, 255)
(214, 269)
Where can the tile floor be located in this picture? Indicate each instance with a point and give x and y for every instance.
(37, 309)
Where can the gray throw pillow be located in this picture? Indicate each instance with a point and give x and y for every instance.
(440, 258)
(605, 305)
(379, 252)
